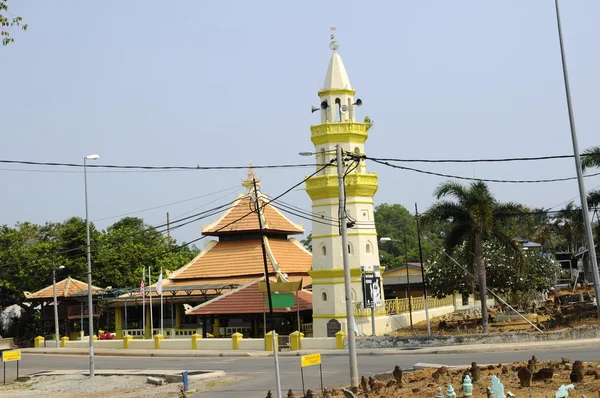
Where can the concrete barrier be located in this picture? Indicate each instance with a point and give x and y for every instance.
(319, 343)
(252, 345)
(221, 344)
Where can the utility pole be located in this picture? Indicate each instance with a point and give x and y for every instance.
(408, 282)
(581, 183)
(341, 169)
(422, 271)
(269, 298)
(56, 331)
(168, 228)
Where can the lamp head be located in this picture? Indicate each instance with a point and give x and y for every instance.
(92, 157)
(385, 239)
(305, 153)
(61, 267)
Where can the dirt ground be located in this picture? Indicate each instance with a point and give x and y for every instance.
(421, 383)
(467, 326)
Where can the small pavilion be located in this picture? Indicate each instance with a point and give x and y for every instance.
(73, 312)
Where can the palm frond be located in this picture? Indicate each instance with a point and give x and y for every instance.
(451, 188)
(442, 211)
(591, 158)
(593, 198)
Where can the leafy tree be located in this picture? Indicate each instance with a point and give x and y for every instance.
(592, 159)
(475, 217)
(128, 246)
(307, 243)
(7, 21)
(517, 276)
(396, 222)
(369, 123)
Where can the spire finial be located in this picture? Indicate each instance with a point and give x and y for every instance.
(250, 176)
(333, 45)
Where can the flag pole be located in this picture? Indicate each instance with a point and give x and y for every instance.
(143, 293)
(151, 317)
(159, 286)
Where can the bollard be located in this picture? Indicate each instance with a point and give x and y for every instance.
(157, 339)
(126, 340)
(269, 341)
(38, 341)
(295, 341)
(339, 340)
(195, 338)
(63, 341)
(235, 340)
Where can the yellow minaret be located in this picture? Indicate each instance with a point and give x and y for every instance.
(338, 126)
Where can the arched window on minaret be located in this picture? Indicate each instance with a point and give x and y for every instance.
(368, 248)
(323, 250)
(338, 110)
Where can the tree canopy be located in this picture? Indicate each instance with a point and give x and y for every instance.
(7, 21)
(475, 217)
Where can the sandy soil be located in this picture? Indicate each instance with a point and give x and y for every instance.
(422, 384)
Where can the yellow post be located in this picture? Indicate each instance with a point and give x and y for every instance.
(195, 338)
(217, 328)
(339, 340)
(95, 337)
(126, 340)
(397, 303)
(177, 316)
(157, 339)
(269, 341)
(118, 322)
(63, 341)
(38, 341)
(235, 340)
(295, 340)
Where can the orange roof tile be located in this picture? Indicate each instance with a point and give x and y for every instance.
(243, 258)
(65, 288)
(246, 300)
(240, 218)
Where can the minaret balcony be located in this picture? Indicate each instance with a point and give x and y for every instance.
(357, 184)
(339, 132)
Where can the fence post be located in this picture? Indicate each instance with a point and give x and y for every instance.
(157, 339)
(269, 341)
(235, 340)
(38, 341)
(126, 340)
(339, 340)
(195, 338)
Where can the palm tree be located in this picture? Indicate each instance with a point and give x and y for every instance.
(569, 222)
(591, 159)
(475, 216)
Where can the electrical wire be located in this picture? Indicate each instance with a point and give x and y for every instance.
(479, 179)
(492, 160)
(140, 167)
(169, 204)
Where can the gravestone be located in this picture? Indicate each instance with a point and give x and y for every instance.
(333, 326)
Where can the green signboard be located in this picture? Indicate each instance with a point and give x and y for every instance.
(282, 300)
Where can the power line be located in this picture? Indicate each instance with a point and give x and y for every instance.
(140, 167)
(490, 160)
(477, 179)
(170, 204)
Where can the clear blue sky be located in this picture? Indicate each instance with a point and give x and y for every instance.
(228, 82)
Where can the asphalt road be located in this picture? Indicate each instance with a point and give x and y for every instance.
(261, 370)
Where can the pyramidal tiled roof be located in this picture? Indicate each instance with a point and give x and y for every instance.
(242, 259)
(241, 217)
(65, 288)
(247, 299)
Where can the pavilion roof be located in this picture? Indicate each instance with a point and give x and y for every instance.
(68, 287)
(240, 218)
(247, 299)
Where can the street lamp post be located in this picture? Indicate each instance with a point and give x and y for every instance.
(56, 331)
(89, 264)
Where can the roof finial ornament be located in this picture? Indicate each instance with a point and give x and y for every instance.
(333, 45)
(250, 177)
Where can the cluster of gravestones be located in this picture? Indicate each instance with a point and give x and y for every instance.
(526, 375)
